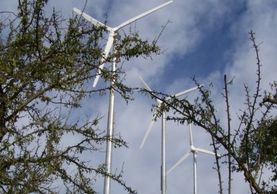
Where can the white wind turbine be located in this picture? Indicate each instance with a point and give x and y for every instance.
(109, 46)
(193, 150)
(113, 32)
(163, 133)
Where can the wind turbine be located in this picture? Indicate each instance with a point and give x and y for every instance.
(193, 150)
(109, 46)
(163, 133)
(113, 32)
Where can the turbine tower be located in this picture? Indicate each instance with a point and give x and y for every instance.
(163, 133)
(109, 46)
(193, 150)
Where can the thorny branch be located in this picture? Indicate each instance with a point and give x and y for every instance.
(240, 144)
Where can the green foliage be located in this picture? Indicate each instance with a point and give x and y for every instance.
(46, 69)
(261, 150)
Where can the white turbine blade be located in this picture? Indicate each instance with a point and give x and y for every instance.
(106, 53)
(178, 162)
(109, 45)
(147, 133)
(185, 92)
(91, 19)
(141, 15)
(144, 83)
(159, 102)
(204, 151)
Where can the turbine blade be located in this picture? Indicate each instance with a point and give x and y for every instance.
(185, 92)
(91, 19)
(204, 151)
(147, 133)
(141, 15)
(106, 53)
(144, 83)
(146, 86)
(178, 162)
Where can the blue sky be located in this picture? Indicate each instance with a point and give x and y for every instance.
(206, 39)
(210, 53)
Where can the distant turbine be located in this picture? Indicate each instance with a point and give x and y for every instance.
(108, 48)
(163, 133)
(193, 150)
